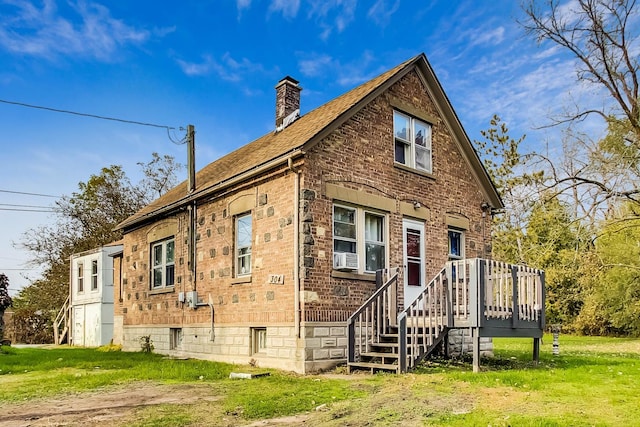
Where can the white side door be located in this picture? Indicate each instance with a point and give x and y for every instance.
(413, 259)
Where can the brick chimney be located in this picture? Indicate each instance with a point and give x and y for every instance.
(287, 102)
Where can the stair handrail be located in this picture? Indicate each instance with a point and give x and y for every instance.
(429, 311)
(373, 319)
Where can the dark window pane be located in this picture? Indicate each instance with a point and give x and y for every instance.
(413, 273)
(401, 152)
(344, 230)
(375, 257)
(413, 243)
(157, 255)
(344, 246)
(170, 251)
(157, 277)
(345, 215)
(170, 273)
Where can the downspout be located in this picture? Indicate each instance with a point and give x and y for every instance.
(296, 246)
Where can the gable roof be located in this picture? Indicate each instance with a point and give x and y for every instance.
(276, 148)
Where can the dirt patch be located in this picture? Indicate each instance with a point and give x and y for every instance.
(100, 407)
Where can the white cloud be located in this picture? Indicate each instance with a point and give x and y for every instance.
(288, 8)
(345, 74)
(332, 15)
(243, 4)
(315, 66)
(491, 37)
(227, 68)
(42, 31)
(382, 10)
(196, 69)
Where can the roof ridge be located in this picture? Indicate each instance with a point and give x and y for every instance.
(271, 145)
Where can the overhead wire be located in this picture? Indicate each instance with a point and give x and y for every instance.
(29, 194)
(95, 116)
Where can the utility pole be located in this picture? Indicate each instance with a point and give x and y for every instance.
(191, 186)
(191, 158)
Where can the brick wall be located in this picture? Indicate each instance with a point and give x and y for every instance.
(242, 302)
(360, 155)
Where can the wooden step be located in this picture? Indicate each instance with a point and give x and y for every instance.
(379, 354)
(372, 366)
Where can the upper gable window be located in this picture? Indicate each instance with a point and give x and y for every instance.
(412, 142)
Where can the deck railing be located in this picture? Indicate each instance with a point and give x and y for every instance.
(423, 322)
(470, 293)
(467, 293)
(374, 317)
(513, 292)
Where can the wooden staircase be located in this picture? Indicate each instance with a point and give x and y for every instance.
(62, 324)
(421, 327)
(487, 297)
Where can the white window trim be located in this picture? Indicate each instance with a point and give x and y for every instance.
(95, 282)
(462, 243)
(237, 247)
(360, 240)
(80, 278)
(164, 265)
(411, 161)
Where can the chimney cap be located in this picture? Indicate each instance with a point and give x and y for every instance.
(287, 79)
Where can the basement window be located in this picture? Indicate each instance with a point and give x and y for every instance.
(258, 340)
(175, 338)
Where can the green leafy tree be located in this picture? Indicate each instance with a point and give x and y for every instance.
(5, 300)
(612, 303)
(553, 242)
(504, 163)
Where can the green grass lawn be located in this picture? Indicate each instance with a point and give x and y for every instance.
(593, 382)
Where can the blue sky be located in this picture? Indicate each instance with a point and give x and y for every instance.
(214, 64)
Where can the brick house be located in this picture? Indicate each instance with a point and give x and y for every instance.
(279, 242)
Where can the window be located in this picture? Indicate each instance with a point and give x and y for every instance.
(360, 232)
(243, 245)
(94, 275)
(412, 142)
(259, 340)
(456, 244)
(80, 277)
(162, 262)
(414, 256)
(175, 338)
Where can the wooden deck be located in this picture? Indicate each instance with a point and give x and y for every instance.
(490, 298)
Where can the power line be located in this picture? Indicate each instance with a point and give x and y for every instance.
(95, 116)
(28, 194)
(25, 206)
(28, 210)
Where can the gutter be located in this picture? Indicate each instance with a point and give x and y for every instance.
(296, 247)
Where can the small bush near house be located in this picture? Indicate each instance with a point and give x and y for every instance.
(146, 344)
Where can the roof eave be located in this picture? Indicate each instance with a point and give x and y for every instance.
(129, 224)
